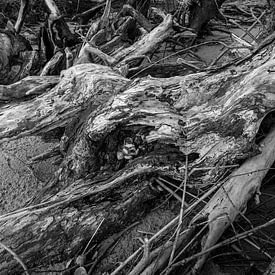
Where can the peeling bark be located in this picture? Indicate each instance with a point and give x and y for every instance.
(29, 86)
(232, 198)
(121, 133)
(183, 116)
(79, 87)
(44, 234)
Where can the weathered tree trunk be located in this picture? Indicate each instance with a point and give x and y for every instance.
(58, 229)
(121, 134)
(210, 118)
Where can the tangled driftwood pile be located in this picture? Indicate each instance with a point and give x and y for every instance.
(124, 134)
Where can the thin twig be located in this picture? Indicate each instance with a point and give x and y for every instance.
(93, 236)
(170, 267)
(181, 213)
(144, 260)
(191, 241)
(174, 194)
(178, 188)
(16, 257)
(253, 244)
(243, 29)
(226, 242)
(109, 246)
(257, 19)
(166, 227)
(122, 265)
(178, 52)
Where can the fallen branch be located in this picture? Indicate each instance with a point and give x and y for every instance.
(31, 85)
(16, 257)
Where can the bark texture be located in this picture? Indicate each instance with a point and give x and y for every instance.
(122, 133)
(211, 118)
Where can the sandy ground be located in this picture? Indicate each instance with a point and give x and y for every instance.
(18, 182)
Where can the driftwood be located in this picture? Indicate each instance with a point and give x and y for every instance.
(80, 219)
(13, 46)
(166, 113)
(228, 202)
(29, 86)
(121, 134)
(21, 15)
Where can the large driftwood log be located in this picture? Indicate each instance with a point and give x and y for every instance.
(121, 133)
(225, 205)
(58, 229)
(66, 101)
(211, 118)
(231, 200)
